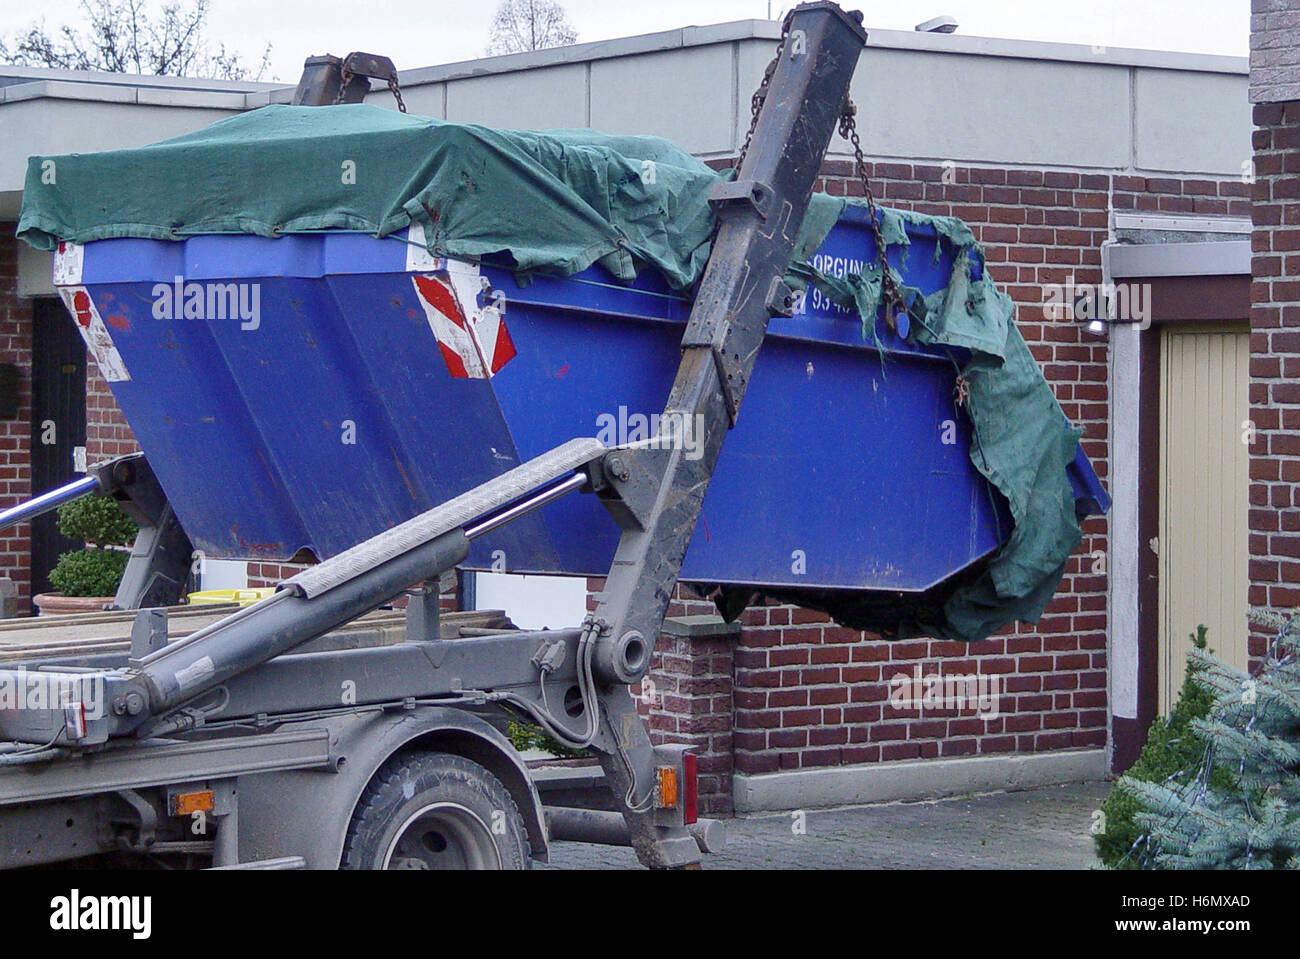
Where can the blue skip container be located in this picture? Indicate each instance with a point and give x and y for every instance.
(307, 392)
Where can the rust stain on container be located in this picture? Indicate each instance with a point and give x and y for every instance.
(406, 480)
(270, 473)
(255, 549)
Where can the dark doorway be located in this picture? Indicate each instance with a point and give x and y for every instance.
(58, 425)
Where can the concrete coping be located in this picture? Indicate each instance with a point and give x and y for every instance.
(35, 83)
(20, 83)
(151, 95)
(914, 780)
(705, 626)
(768, 30)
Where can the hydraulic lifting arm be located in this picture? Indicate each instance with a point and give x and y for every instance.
(761, 213)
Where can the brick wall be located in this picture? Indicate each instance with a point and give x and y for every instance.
(1274, 51)
(15, 434)
(1275, 364)
(262, 574)
(807, 693)
(107, 434)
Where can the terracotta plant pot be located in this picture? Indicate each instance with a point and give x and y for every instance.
(56, 604)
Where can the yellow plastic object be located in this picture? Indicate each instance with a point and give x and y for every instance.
(216, 597)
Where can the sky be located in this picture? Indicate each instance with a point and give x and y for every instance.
(418, 33)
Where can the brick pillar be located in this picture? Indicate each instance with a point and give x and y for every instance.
(1275, 365)
(687, 697)
(15, 433)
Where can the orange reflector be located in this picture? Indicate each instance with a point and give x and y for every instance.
(667, 776)
(187, 804)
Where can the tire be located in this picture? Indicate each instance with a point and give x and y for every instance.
(435, 811)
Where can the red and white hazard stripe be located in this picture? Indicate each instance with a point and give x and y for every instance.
(91, 326)
(473, 338)
(68, 260)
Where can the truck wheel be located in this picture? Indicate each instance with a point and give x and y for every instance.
(435, 811)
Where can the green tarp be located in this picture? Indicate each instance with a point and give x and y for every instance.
(560, 201)
(557, 201)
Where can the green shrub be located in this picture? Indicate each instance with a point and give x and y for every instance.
(89, 572)
(1172, 748)
(98, 520)
(94, 571)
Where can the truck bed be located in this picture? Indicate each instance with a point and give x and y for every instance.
(97, 634)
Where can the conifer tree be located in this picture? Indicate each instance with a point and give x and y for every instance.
(1250, 817)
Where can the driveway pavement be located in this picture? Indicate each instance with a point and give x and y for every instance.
(1043, 828)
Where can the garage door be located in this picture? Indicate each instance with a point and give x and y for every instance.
(1204, 470)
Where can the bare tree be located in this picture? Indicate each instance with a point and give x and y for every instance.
(522, 25)
(125, 36)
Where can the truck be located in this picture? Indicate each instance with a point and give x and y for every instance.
(322, 728)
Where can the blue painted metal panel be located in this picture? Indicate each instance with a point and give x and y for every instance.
(333, 416)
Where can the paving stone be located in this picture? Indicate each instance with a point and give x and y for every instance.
(1045, 828)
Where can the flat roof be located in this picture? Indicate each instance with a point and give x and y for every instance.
(886, 39)
(26, 83)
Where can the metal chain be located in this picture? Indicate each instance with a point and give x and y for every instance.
(848, 127)
(345, 78)
(397, 93)
(892, 296)
(756, 101)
